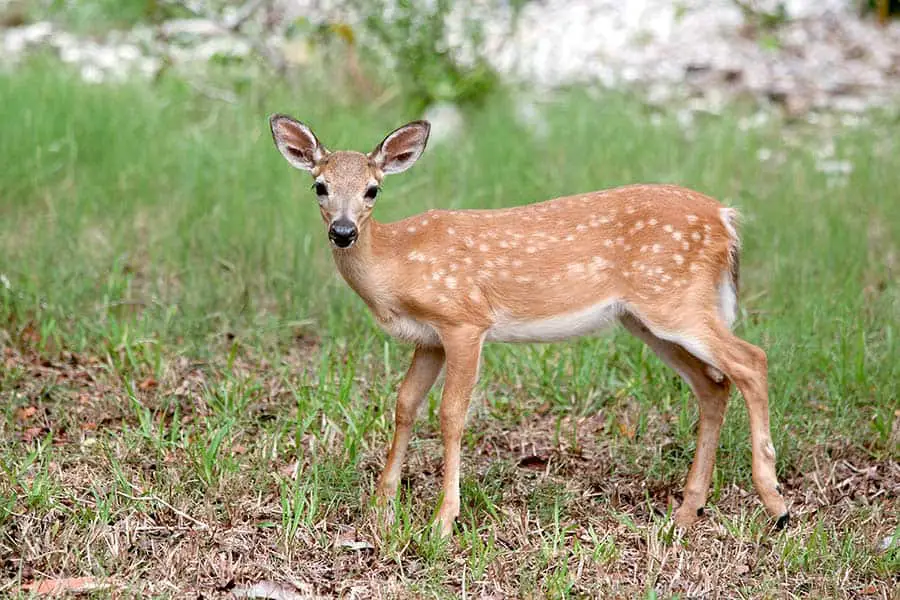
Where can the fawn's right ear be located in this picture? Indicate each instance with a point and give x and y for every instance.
(296, 142)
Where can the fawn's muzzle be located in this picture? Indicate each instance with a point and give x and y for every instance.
(343, 233)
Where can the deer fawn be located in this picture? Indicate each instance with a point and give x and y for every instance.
(660, 259)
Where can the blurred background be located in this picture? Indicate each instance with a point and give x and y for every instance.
(121, 107)
(799, 54)
(191, 399)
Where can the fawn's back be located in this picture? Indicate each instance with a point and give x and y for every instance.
(560, 268)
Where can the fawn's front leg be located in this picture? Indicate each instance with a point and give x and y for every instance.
(463, 349)
(423, 371)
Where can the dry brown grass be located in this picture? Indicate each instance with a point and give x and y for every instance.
(575, 515)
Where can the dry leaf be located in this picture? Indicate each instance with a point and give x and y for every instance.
(269, 590)
(535, 463)
(69, 584)
(348, 539)
(356, 545)
(869, 590)
(627, 430)
(26, 412)
(30, 335)
(289, 471)
(31, 433)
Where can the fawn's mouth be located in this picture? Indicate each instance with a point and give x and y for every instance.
(342, 244)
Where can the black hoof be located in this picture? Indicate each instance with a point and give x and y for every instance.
(700, 512)
(782, 521)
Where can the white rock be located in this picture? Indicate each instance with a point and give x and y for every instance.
(220, 46)
(17, 39)
(884, 544)
(190, 28)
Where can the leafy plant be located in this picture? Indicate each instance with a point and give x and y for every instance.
(765, 18)
(414, 36)
(100, 14)
(884, 8)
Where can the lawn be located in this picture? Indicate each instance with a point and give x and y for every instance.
(192, 400)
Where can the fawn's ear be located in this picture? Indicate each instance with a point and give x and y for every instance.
(296, 142)
(402, 147)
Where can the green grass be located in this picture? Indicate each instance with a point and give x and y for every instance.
(99, 16)
(185, 377)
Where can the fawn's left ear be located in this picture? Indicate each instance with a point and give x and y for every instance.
(402, 147)
(296, 142)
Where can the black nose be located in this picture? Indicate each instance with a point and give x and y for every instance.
(342, 233)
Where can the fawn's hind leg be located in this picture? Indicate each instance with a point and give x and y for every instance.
(747, 366)
(712, 394)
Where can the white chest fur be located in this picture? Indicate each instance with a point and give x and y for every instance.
(395, 324)
(410, 330)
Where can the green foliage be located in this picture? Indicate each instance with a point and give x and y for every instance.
(872, 6)
(765, 20)
(413, 34)
(100, 15)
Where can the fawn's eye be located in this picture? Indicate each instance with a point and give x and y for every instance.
(371, 192)
(321, 188)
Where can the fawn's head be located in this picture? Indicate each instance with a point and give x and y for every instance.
(345, 182)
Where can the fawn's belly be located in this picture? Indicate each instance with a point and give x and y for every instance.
(509, 329)
(556, 328)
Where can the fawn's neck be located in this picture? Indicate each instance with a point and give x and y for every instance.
(364, 266)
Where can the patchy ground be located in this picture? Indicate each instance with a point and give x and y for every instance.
(108, 480)
(192, 402)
